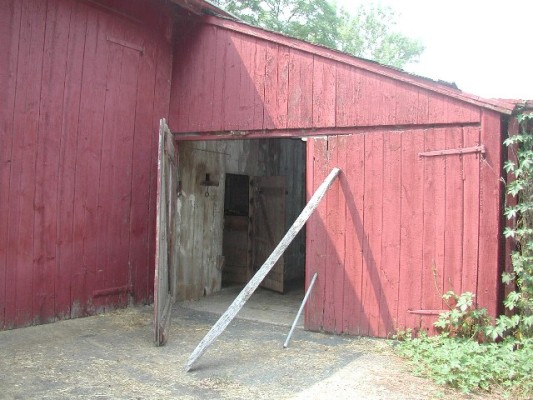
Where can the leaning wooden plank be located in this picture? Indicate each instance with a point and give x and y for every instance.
(248, 290)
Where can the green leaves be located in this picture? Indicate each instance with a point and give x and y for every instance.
(471, 366)
(463, 320)
(367, 31)
(520, 300)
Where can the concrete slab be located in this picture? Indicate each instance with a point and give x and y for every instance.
(264, 305)
(111, 356)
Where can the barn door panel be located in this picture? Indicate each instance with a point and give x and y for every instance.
(451, 163)
(166, 234)
(267, 214)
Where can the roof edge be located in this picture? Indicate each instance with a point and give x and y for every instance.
(203, 7)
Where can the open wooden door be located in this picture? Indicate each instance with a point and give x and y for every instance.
(267, 214)
(166, 234)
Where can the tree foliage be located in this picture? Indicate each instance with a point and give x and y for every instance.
(367, 32)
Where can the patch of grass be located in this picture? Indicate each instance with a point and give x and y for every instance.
(465, 364)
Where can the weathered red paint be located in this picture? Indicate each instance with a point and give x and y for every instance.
(390, 239)
(409, 232)
(297, 87)
(78, 117)
(490, 208)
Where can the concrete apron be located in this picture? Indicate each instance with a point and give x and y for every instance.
(264, 305)
(111, 356)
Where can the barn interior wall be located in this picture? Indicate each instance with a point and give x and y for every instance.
(201, 258)
(83, 87)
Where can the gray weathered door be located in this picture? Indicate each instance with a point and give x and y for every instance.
(166, 234)
(267, 212)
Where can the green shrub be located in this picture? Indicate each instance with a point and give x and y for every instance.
(463, 320)
(468, 365)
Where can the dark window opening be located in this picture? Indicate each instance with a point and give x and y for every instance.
(236, 197)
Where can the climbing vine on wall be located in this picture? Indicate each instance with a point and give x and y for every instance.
(520, 300)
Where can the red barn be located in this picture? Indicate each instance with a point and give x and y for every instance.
(416, 211)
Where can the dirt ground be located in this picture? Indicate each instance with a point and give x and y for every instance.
(111, 356)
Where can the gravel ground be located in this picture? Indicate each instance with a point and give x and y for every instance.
(111, 356)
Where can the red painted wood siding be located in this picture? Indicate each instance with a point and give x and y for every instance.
(225, 80)
(396, 231)
(83, 88)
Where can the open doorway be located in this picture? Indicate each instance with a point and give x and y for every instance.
(229, 227)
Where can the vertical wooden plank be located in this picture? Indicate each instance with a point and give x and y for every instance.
(300, 105)
(491, 193)
(334, 226)
(422, 115)
(164, 258)
(390, 241)
(140, 179)
(106, 214)
(181, 97)
(339, 235)
(248, 96)
(276, 86)
(324, 92)
(202, 56)
(259, 85)
(22, 191)
(353, 192)
(67, 245)
(310, 229)
(122, 147)
(405, 100)
(331, 222)
(376, 100)
(373, 227)
(232, 74)
(317, 236)
(471, 164)
(412, 196)
(271, 84)
(81, 276)
(453, 236)
(434, 225)
(219, 84)
(346, 95)
(47, 159)
(282, 88)
(10, 24)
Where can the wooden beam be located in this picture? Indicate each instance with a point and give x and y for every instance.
(252, 285)
(305, 132)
